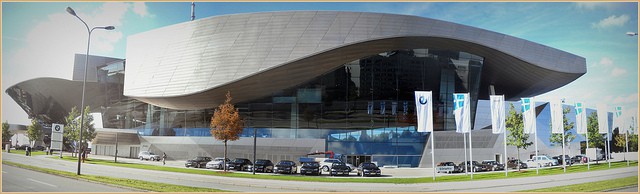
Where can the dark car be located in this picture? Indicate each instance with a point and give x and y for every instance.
(310, 168)
(262, 165)
(477, 166)
(567, 159)
(515, 163)
(368, 169)
(197, 162)
(286, 166)
(578, 159)
(239, 164)
(456, 168)
(494, 165)
(339, 168)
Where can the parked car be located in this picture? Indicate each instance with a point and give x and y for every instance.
(217, 163)
(515, 163)
(41, 148)
(146, 155)
(579, 159)
(285, 166)
(326, 164)
(493, 164)
(239, 164)
(477, 166)
(339, 168)
(197, 162)
(456, 168)
(558, 159)
(261, 165)
(310, 168)
(541, 161)
(368, 169)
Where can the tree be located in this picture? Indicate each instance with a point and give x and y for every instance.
(568, 136)
(34, 132)
(72, 133)
(516, 136)
(620, 140)
(6, 134)
(596, 140)
(226, 124)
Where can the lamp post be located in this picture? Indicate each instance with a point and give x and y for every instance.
(632, 33)
(84, 81)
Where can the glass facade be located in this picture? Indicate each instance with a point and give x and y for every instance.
(365, 107)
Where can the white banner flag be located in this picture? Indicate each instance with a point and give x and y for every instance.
(529, 115)
(497, 114)
(424, 111)
(581, 119)
(557, 124)
(617, 120)
(461, 112)
(603, 119)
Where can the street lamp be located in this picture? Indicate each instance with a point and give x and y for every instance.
(84, 81)
(632, 33)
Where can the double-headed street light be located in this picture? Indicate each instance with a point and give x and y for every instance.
(84, 81)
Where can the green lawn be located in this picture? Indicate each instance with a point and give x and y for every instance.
(598, 186)
(22, 152)
(452, 178)
(131, 183)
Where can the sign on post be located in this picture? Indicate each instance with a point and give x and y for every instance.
(56, 136)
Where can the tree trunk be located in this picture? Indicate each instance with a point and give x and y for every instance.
(224, 161)
(518, 162)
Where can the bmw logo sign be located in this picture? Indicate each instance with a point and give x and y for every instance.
(57, 128)
(423, 100)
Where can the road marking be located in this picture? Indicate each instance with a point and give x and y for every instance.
(42, 182)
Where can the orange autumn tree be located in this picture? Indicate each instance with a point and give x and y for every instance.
(226, 124)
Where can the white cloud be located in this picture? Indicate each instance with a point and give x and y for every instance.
(606, 61)
(618, 71)
(590, 5)
(632, 98)
(140, 8)
(611, 21)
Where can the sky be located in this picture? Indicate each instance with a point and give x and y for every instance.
(39, 39)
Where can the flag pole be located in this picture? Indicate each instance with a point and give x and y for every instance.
(608, 148)
(585, 151)
(470, 153)
(506, 168)
(535, 134)
(564, 163)
(433, 160)
(465, 155)
(626, 143)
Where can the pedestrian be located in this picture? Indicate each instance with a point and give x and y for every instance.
(28, 152)
(84, 155)
(164, 157)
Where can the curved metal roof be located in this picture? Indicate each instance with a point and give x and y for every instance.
(191, 65)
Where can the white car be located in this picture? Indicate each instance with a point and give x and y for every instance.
(146, 155)
(217, 163)
(541, 161)
(326, 164)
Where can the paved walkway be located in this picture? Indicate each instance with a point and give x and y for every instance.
(259, 185)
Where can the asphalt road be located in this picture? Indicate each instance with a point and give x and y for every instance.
(258, 185)
(16, 179)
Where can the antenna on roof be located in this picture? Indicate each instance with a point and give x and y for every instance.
(193, 10)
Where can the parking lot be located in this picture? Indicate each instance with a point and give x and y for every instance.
(387, 172)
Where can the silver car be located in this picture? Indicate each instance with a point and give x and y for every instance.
(217, 163)
(146, 155)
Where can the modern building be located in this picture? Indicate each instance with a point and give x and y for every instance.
(305, 81)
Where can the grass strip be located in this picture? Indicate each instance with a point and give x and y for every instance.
(131, 183)
(22, 152)
(597, 186)
(451, 178)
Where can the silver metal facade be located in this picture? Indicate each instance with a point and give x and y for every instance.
(192, 65)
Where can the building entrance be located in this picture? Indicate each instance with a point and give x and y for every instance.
(358, 159)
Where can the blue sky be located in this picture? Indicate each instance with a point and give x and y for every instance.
(40, 38)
